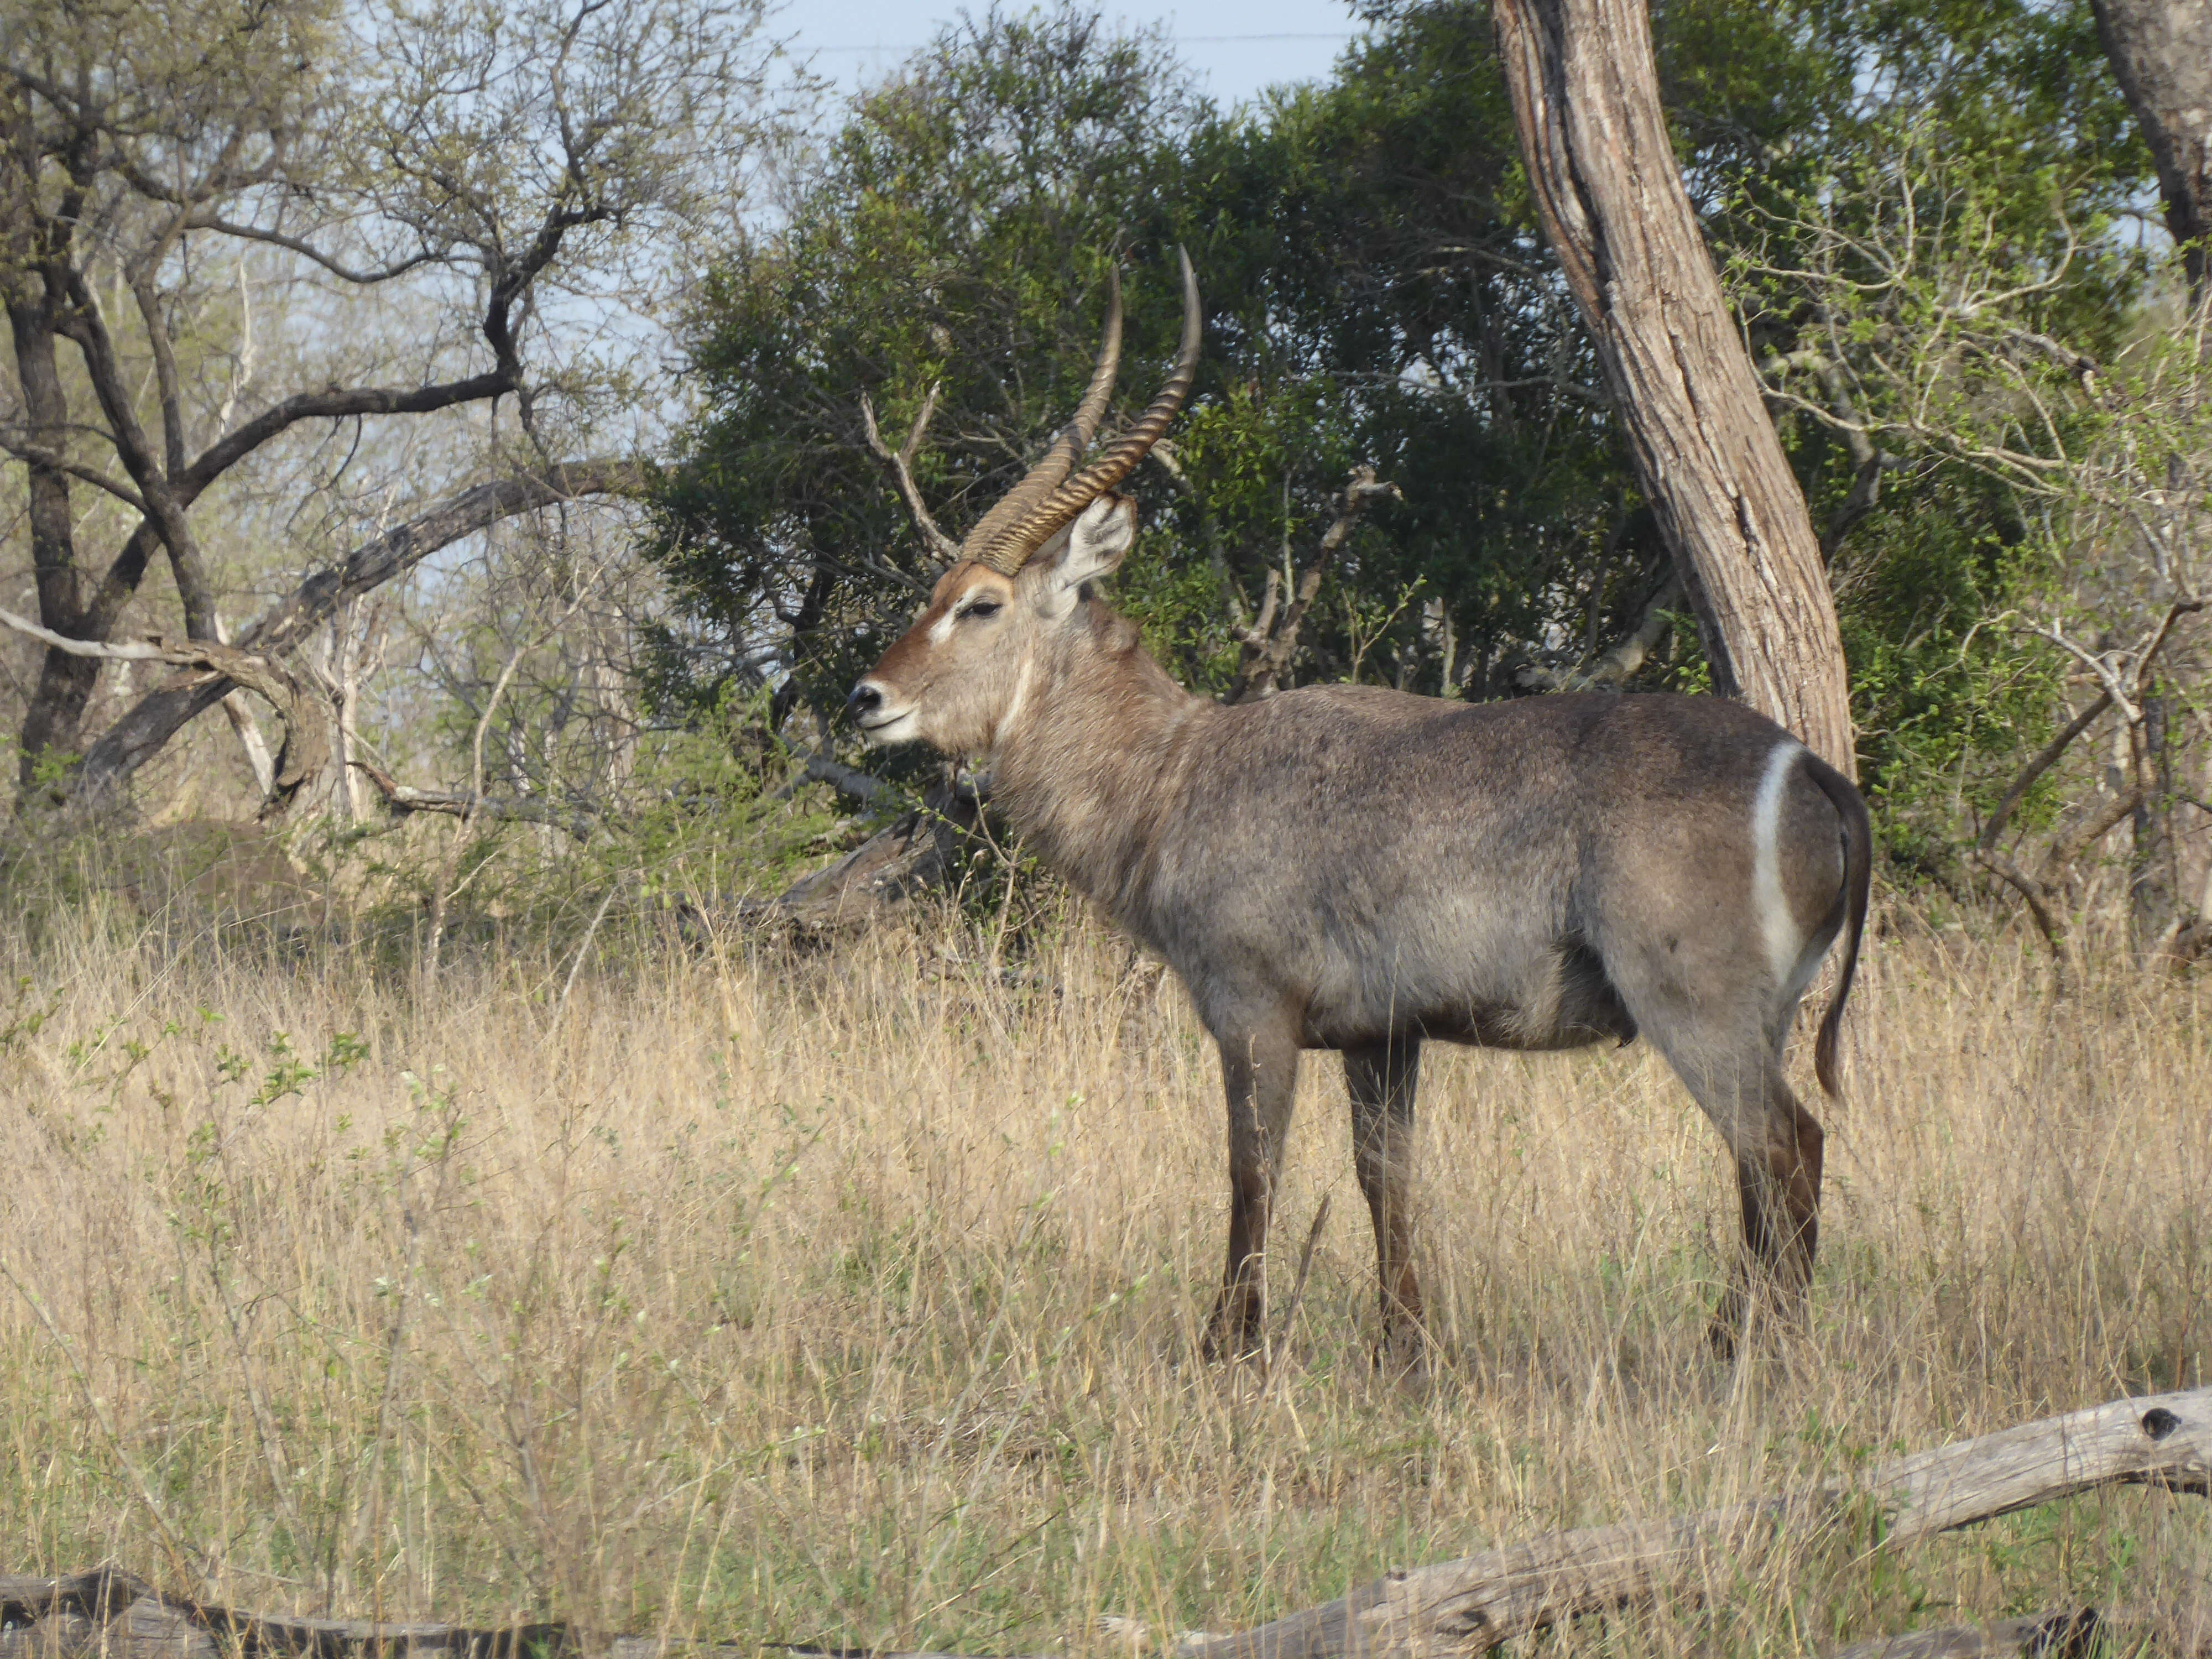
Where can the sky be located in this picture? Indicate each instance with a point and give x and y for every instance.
(1237, 47)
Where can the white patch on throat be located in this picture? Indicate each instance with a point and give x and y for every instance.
(1768, 903)
(1015, 704)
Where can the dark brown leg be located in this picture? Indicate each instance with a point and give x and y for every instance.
(1778, 1181)
(1382, 1080)
(1260, 1074)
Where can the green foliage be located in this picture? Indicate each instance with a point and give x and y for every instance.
(1939, 696)
(1378, 294)
(1925, 297)
(957, 234)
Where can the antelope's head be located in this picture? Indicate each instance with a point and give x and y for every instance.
(962, 673)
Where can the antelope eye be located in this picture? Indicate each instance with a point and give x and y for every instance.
(982, 608)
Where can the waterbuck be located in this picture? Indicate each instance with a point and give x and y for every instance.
(1347, 867)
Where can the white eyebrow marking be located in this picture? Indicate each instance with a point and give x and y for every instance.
(941, 629)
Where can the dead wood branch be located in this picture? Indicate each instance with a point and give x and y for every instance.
(901, 464)
(158, 716)
(2039, 1636)
(111, 1612)
(2045, 758)
(1271, 643)
(1451, 1607)
(2125, 680)
(461, 803)
(209, 663)
(918, 852)
(2041, 898)
(1620, 663)
(1483, 1600)
(848, 781)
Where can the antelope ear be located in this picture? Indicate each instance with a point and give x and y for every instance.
(1095, 543)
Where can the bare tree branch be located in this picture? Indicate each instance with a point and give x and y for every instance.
(140, 733)
(463, 804)
(1620, 663)
(224, 668)
(335, 403)
(1269, 644)
(901, 464)
(91, 475)
(2097, 662)
(2045, 758)
(209, 220)
(848, 781)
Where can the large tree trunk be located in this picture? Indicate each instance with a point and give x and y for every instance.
(2161, 50)
(57, 707)
(1586, 100)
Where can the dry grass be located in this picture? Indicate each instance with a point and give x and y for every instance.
(854, 1298)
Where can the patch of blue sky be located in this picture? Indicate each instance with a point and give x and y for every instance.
(1235, 49)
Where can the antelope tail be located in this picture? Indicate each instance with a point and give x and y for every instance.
(1859, 879)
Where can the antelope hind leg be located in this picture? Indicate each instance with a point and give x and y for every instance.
(1778, 1181)
(1382, 1079)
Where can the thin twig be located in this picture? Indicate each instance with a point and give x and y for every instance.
(577, 966)
(2047, 757)
(1298, 1294)
(901, 464)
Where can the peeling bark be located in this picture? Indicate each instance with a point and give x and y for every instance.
(2161, 54)
(1586, 100)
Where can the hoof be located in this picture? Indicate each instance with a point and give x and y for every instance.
(1403, 1352)
(1721, 1336)
(1233, 1338)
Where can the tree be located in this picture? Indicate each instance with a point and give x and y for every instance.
(1368, 304)
(1930, 324)
(1380, 293)
(2162, 53)
(484, 168)
(950, 251)
(1603, 170)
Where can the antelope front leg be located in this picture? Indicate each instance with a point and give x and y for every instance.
(1260, 1074)
(1382, 1079)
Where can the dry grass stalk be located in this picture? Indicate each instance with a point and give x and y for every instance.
(1453, 1606)
(851, 1298)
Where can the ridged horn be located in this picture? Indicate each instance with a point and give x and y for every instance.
(1074, 438)
(1044, 515)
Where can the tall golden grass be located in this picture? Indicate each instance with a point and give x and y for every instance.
(853, 1297)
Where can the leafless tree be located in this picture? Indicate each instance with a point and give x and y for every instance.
(476, 174)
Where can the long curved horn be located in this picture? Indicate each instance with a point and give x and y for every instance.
(1074, 438)
(1022, 537)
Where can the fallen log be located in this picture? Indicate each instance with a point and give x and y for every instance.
(2040, 1636)
(2067, 1633)
(117, 1615)
(919, 852)
(111, 1612)
(1449, 1607)
(1480, 1601)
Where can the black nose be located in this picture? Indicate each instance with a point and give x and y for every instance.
(864, 700)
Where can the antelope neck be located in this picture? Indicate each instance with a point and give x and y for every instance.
(1098, 751)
